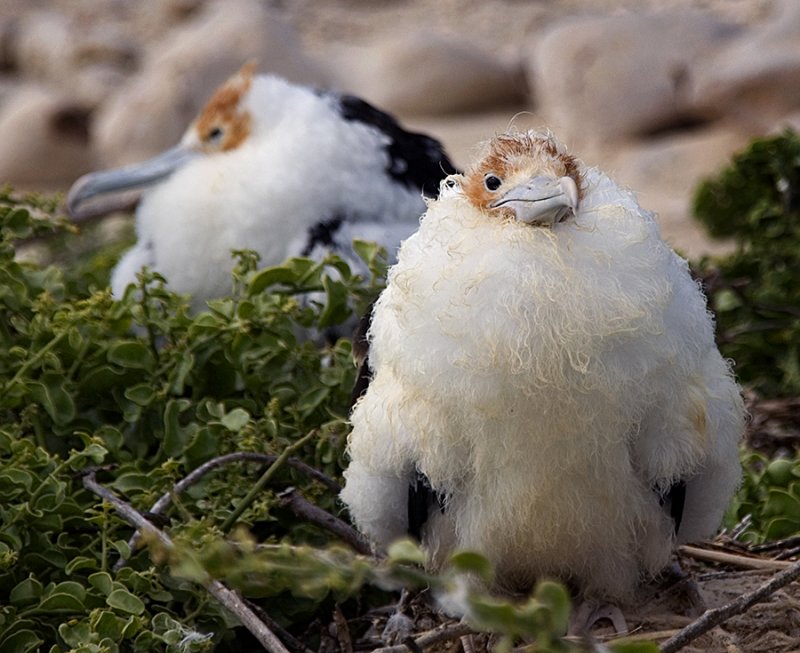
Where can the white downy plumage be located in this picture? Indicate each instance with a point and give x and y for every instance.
(550, 375)
(282, 169)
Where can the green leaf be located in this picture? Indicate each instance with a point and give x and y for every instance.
(76, 634)
(175, 435)
(26, 592)
(79, 563)
(271, 276)
(19, 478)
(336, 309)
(470, 562)
(726, 300)
(556, 598)
(236, 419)
(123, 548)
(406, 551)
(51, 393)
(782, 504)
(61, 601)
(781, 527)
(122, 600)
(22, 641)
(102, 582)
(311, 400)
(141, 394)
(107, 624)
(131, 354)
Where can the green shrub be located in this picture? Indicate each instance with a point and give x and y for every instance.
(146, 392)
(755, 291)
(767, 506)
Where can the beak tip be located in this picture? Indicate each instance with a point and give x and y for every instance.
(570, 189)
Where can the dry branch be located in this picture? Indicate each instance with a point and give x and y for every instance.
(227, 597)
(166, 499)
(712, 618)
(300, 506)
(746, 562)
(427, 639)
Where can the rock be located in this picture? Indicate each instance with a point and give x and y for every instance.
(154, 108)
(52, 46)
(789, 121)
(45, 139)
(615, 77)
(427, 73)
(756, 78)
(68, 54)
(665, 172)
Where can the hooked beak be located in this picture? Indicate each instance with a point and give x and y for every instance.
(84, 198)
(541, 200)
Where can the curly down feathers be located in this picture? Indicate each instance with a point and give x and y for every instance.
(551, 383)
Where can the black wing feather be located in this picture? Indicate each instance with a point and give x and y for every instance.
(675, 498)
(415, 160)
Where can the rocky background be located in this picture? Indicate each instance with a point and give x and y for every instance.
(658, 93)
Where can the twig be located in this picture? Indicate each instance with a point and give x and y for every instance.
(227, 597)
(788, 553)
(468, 643)
(747, 562)
(429, 638)
(300, 506)
(285, 636)
(776, 544)
(644, 635)
(342, 631)
(712, 618)
(166, 499)
(265, 478)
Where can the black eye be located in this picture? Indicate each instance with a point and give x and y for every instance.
(215, 134)
(492, 182)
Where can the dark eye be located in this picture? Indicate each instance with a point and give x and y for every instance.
(492, 182)
(215, 134)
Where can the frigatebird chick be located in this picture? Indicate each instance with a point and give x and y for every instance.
(281, 169)
(545, 386)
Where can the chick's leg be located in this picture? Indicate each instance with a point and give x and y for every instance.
(590, 612)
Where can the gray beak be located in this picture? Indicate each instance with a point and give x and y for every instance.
(542, 200)
(101, 192)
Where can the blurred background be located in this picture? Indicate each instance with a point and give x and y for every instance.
(659, 93)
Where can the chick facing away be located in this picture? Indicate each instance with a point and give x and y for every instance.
(544, 383)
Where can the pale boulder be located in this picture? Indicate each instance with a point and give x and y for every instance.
(755, 80)
(180, 73)
(666, 171)
(610, 78)
(86, 59)
(426, 73)
(45, 139)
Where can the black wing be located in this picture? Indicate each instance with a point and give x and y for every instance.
(421, 499)
(674, 498)
(415, 160)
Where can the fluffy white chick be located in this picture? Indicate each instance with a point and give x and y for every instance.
(271, 166)
(543, 363)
